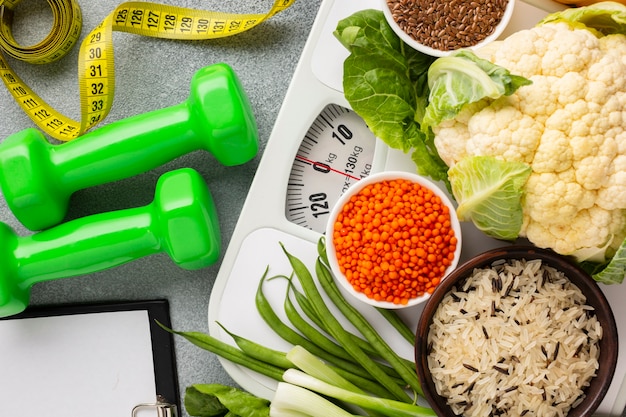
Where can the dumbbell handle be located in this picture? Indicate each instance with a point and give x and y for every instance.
(87, 245)
(181, 221)
(216, 117)
(123, 149)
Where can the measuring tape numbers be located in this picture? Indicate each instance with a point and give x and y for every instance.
(96, 66)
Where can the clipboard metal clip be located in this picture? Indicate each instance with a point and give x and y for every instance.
(162, 407)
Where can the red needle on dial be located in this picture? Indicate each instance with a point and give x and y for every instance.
(308, 161)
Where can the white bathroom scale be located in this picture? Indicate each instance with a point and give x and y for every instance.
(317, 149)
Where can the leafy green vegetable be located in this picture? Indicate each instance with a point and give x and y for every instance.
(216, 400)
(489, 193)
(201, 404)
(385, 82)
(603, 18)
(400, 92)
(464, 78)
(612, 272)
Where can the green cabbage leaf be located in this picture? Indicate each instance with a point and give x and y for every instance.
(611, 272)
(464, 78)
(489, 192)
(603, 18)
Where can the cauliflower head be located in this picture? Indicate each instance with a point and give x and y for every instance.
(569, 126)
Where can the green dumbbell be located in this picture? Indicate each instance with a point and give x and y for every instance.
(38, 178)
(181, 221)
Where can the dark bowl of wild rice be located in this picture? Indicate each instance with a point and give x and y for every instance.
(516, 331)
(438, 28)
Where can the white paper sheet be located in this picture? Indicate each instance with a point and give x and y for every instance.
(95, 364)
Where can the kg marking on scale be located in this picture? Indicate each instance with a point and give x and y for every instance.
(323, 166)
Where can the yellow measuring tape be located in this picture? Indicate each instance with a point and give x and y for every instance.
(96, 69)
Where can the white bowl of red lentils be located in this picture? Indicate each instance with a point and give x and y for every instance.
(438, 28)
(392, 238)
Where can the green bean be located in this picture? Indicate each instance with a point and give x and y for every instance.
(337, 331)
(324, 342)
(407, 372)
(258, 351)
(308, 310)
(305, 304)
(321, 251)
(289, 335)
(310, 332)
(271, 318)
(366, 384)
(229, 352)
(395, 320)
(279, 359)
(391, 316)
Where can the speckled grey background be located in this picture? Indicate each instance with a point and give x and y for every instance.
(152, 74)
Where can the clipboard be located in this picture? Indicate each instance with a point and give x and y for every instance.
(101, 360)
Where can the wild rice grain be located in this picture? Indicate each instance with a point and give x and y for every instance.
(470, 367)
(447, 25)
(556, 351)
(541, 350)
(501, 370)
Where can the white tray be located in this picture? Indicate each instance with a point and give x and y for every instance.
(262, 225)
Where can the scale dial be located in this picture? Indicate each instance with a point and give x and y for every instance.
(336, 151)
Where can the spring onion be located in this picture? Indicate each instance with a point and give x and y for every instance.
(294, 401)
(311, 365)
(385, 407)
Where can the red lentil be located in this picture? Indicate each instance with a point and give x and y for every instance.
(394, 240)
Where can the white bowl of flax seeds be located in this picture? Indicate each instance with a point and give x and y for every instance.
(438, 28)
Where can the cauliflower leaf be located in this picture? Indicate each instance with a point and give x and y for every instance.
(602, 18)
(489, 191)
(464, 78)
(612, 272)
